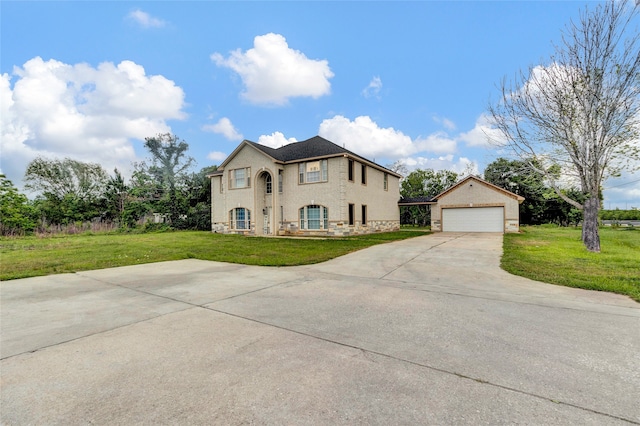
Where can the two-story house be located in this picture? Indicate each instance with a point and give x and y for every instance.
(313, 187)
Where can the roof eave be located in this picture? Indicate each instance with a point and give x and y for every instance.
(239, 147)
(372, 164)
(519, 198)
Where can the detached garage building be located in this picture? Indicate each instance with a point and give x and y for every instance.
(475, 205)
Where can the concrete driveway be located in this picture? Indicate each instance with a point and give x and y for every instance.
(424, 331)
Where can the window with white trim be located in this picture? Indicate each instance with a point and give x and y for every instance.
(314, 217)
(268, 184)
(313, 171)
(240, 178)
(240, 218)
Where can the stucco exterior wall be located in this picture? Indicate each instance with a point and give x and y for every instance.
(474, 193)
(335, 194)
(227, 199)
(296, 195)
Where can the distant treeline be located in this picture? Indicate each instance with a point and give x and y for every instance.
(619, 214)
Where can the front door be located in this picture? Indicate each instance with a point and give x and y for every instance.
(266, 229)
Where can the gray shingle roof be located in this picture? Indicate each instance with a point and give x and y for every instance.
(314, 147)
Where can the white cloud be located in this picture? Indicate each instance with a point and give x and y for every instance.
(217, 156)
(482, 135)
(91, 114)
(438, 143)
(272, 72)
(275, 140)
(225, 128)
(446, 162)
(622, 192)
(145, 20)
(373, 89)
(365, 137)
(446, 123)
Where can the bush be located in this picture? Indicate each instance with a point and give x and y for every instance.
(156, 227)
(17, 215)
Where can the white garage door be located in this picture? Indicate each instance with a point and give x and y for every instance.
(480, 219)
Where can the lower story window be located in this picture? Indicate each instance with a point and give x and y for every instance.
(240, 218)
(352, 214)
(314, 217)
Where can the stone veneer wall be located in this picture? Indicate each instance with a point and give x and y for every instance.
(336, 229)
(340, 229)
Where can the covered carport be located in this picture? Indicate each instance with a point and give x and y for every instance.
(424, 203)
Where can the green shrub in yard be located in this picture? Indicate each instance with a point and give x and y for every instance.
(17, 215)
(556, 255)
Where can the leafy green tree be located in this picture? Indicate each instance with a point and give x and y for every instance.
(116, 197)
(59, 178)
(198, 194)
(560, 212)
(143, 196)
(618, 214)
(169, 166)
(427, 183)
(423, 183)
(70, 189)
(17, 215)
(515, 176)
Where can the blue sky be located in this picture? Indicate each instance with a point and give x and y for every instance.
(392, 81)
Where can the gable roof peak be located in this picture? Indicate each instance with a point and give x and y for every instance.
(483, 182)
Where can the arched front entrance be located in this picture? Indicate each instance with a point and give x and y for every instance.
(264, 204)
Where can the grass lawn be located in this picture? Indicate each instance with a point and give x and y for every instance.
(557, 256)
(34, 256)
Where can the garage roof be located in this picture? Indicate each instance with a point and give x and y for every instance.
(482, 182)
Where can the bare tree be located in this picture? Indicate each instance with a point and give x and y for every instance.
(398, 167)
(580, 111)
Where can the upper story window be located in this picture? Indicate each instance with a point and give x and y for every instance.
(386, 182)
(268, 185)
(351, 170)
(364, 174)
(240, 178)
(313, 171)
(280, 181)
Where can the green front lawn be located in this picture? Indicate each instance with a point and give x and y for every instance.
(544, 253)
(34, 256)
(557, 256)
